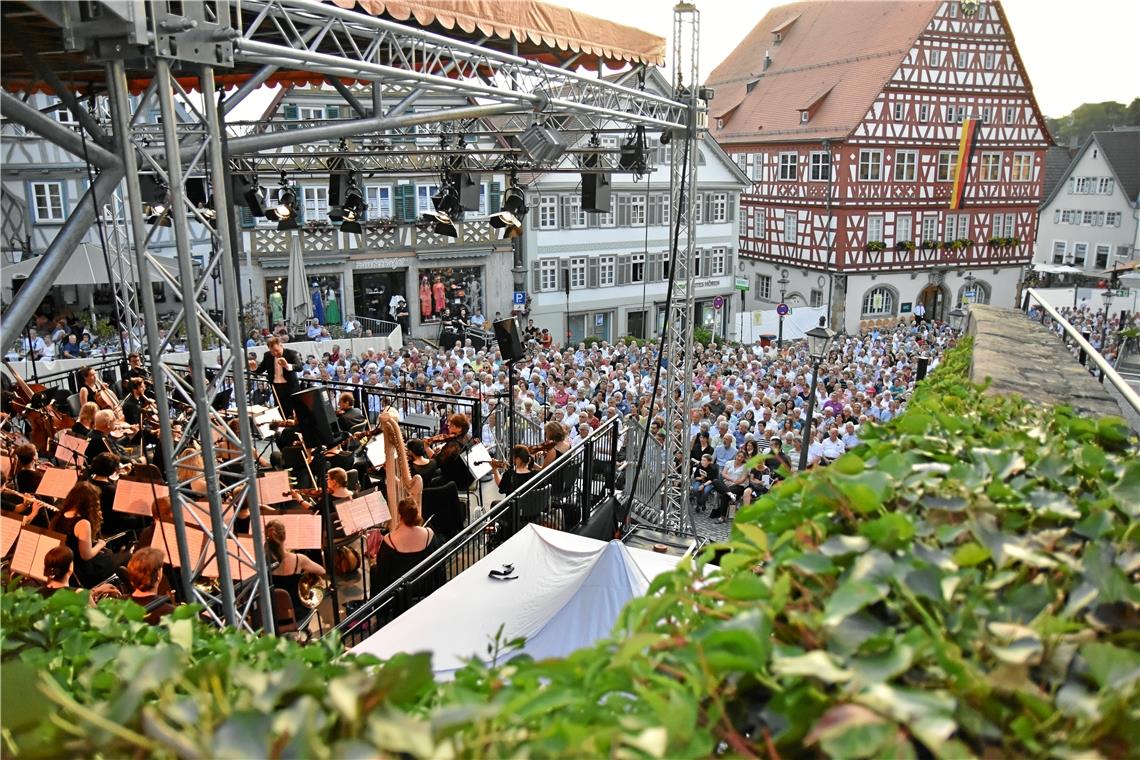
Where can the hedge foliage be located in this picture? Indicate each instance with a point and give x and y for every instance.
(964, 584)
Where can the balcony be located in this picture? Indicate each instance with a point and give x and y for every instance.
(377, 236)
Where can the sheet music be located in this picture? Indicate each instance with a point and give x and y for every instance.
(57, 482)
(363, 512)
(5, 466)
(31, 548)
(201, 510)
(165, 540)
(273, 487)
(478, 461)
(261, 421)
(302, 531)
(375, 451)
(70, 447)
(239, 554)
(137, 498)
(10, 525)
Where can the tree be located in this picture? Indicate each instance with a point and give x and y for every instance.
(1087, 118)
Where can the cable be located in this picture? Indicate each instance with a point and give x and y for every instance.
(661, 342)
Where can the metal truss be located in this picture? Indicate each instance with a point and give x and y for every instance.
(190, 455)
(120, 255)
(358, 46)
(679, 337)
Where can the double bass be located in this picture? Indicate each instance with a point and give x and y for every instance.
(43, 420)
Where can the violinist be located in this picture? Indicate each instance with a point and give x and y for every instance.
(85, 423)
(25, 472)
(99, 440)
(520, 471)
(455, 441)
(337, 482)
(554, 445)
(134, 408)
(420, 464)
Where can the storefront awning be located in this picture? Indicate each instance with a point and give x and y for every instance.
(452, 255)
(311, 263)
(85, 267)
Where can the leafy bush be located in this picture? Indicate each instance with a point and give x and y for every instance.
(962, 584)
(702, 335)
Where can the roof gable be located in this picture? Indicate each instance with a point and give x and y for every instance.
(847, 50)
(1121, 149)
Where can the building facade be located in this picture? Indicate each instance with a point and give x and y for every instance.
(363, 275)
(1090, 219)
(849, 120)
(606, 275)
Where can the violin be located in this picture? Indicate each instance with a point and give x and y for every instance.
(497, 464)
(443, 438)
(541, 448)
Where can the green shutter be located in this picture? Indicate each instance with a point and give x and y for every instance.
(404, 203)
(291, 114)
(245, 217)
(494, 198)
(536, 282)
(332, 112)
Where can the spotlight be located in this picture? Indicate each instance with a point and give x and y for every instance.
(158, 212)
(540, 144)
(285, 212)
(352, 211)
(510, 216)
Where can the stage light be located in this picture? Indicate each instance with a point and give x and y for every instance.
(509, 218)
(285, 211)
(353, 209)
(158, 212)
(540, 144)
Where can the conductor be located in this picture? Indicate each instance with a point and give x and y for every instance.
(280, 365)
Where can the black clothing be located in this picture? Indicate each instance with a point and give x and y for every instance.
(80, 429)
(513, 481)
(287, 580)
(158, 610)
(350, 418)
(98, 443)
(27, 481)
(392, 564)
(132, 410)
(429, 472)
(292, 381)
(697, 452)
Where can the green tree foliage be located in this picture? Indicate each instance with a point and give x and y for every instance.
(1087, 118)
(961, 585)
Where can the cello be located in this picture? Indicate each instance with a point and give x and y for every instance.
(43, 420)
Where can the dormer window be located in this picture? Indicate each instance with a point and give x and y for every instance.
(805, 117)
(781, 30)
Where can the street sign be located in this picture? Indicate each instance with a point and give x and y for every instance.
(1118, 293)
(519, 298)
(742, 283)
(718, 303)
(783, 310)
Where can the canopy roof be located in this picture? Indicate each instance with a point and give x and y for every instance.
(86, 266)
(568, 594)
(543, 32)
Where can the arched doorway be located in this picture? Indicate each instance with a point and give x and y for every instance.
(934, 298)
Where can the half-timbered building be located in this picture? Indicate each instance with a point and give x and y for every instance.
(896, 153)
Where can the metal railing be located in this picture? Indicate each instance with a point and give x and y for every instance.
(528, 429)
(561, 496)
(109, 368)
(377, 326)
(648, 487)
(1085, 349)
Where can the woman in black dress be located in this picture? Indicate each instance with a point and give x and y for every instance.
(514, 477)
(290, 565)
(80, 520)
(420, 464)
(404, 548)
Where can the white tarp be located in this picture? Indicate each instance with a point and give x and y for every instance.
(753, 324)
(86, 266)
(568, 594)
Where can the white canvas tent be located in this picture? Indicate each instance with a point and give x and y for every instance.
(86, 266)
(753, 324)
(568, 594)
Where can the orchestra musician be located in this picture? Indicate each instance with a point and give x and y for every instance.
(337, 482)
(454, 442)
(93, 389)
(347, 414)
(421, 464)
(99, 440)
(554, 445)
(289, 565)
(510, 479)
(135, 369)
(134, 408)
(144, 572)
(80, 520)
(85, 423)
(58, 564)
(25, 470)
(280, 365)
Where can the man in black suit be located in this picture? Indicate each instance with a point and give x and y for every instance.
(280, 366)
(346, 412)
(133, 407)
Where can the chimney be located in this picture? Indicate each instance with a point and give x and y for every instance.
(767, 60)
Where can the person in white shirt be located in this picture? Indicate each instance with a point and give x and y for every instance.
(850, 437)
(832, 447)
(815, 450)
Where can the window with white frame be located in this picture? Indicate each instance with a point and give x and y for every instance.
(878, 302)
(548, 212)
(424, 195)
(764, 287)
(963, 59)
(756, 163)
(991, 167)
(1080, 251)
(742, 224)
(1123, 252)
(788, 166)
(574, 211)
(1104, 186)
(577, 272)
(759, 222)
(924, 112)
(987, 114)
(820, 166)
(548, 274)
(1112, 219)
(47, 201)
(719, 207)
(791, 223)
(1059, 248)
(1022, 170)
(379, 200)
(637, 210)
(906, 165)
(946, 165)
(815, 298)
(957, 226)
(874, 228)
(870, 165)
(1010, 224)
(316, 203)
(989, 60)
(930, 227)
(697, 208)
(64, 115)
(1080, 185)
(904, 230)
(934, 57)
(718, 259)
(1089, 219)
(637, 267)
(1057, 216)
(899, 111)
(607, 266)
(310, 113)
(1102, 252)
(1010, 115)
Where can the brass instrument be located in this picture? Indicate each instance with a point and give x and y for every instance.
(311, 589)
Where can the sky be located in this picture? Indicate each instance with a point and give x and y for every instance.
(1075, 52)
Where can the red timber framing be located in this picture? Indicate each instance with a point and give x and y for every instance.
(892, 170)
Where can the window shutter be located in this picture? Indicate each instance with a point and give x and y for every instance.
(536, 277)
(731, 204)
(622, 269)
(332, 112)
(404, 203)
(245, 217)
(563, 275)
(727, 261)
(494, 198)
(592, 270)
(706, 213)
(652, 262)
(564, 211)
(291, 114)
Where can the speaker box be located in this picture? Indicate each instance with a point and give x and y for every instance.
(509, 338)
(315, 416)
(469, 191)
(923, 365)
(596, 192)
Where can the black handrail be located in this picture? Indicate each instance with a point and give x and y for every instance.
(551, 497)
(408, 399)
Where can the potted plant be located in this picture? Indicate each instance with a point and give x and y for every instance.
(929, 245)
(996, 242)
(876, 245)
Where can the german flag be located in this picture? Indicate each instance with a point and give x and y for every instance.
(965, 148)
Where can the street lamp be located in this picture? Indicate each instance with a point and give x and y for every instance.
(783, 283)
(970, 293)
(957, 319)
(819, 341)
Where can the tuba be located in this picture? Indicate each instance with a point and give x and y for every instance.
(311, 589)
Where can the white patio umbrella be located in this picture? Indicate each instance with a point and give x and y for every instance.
(298, 304)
